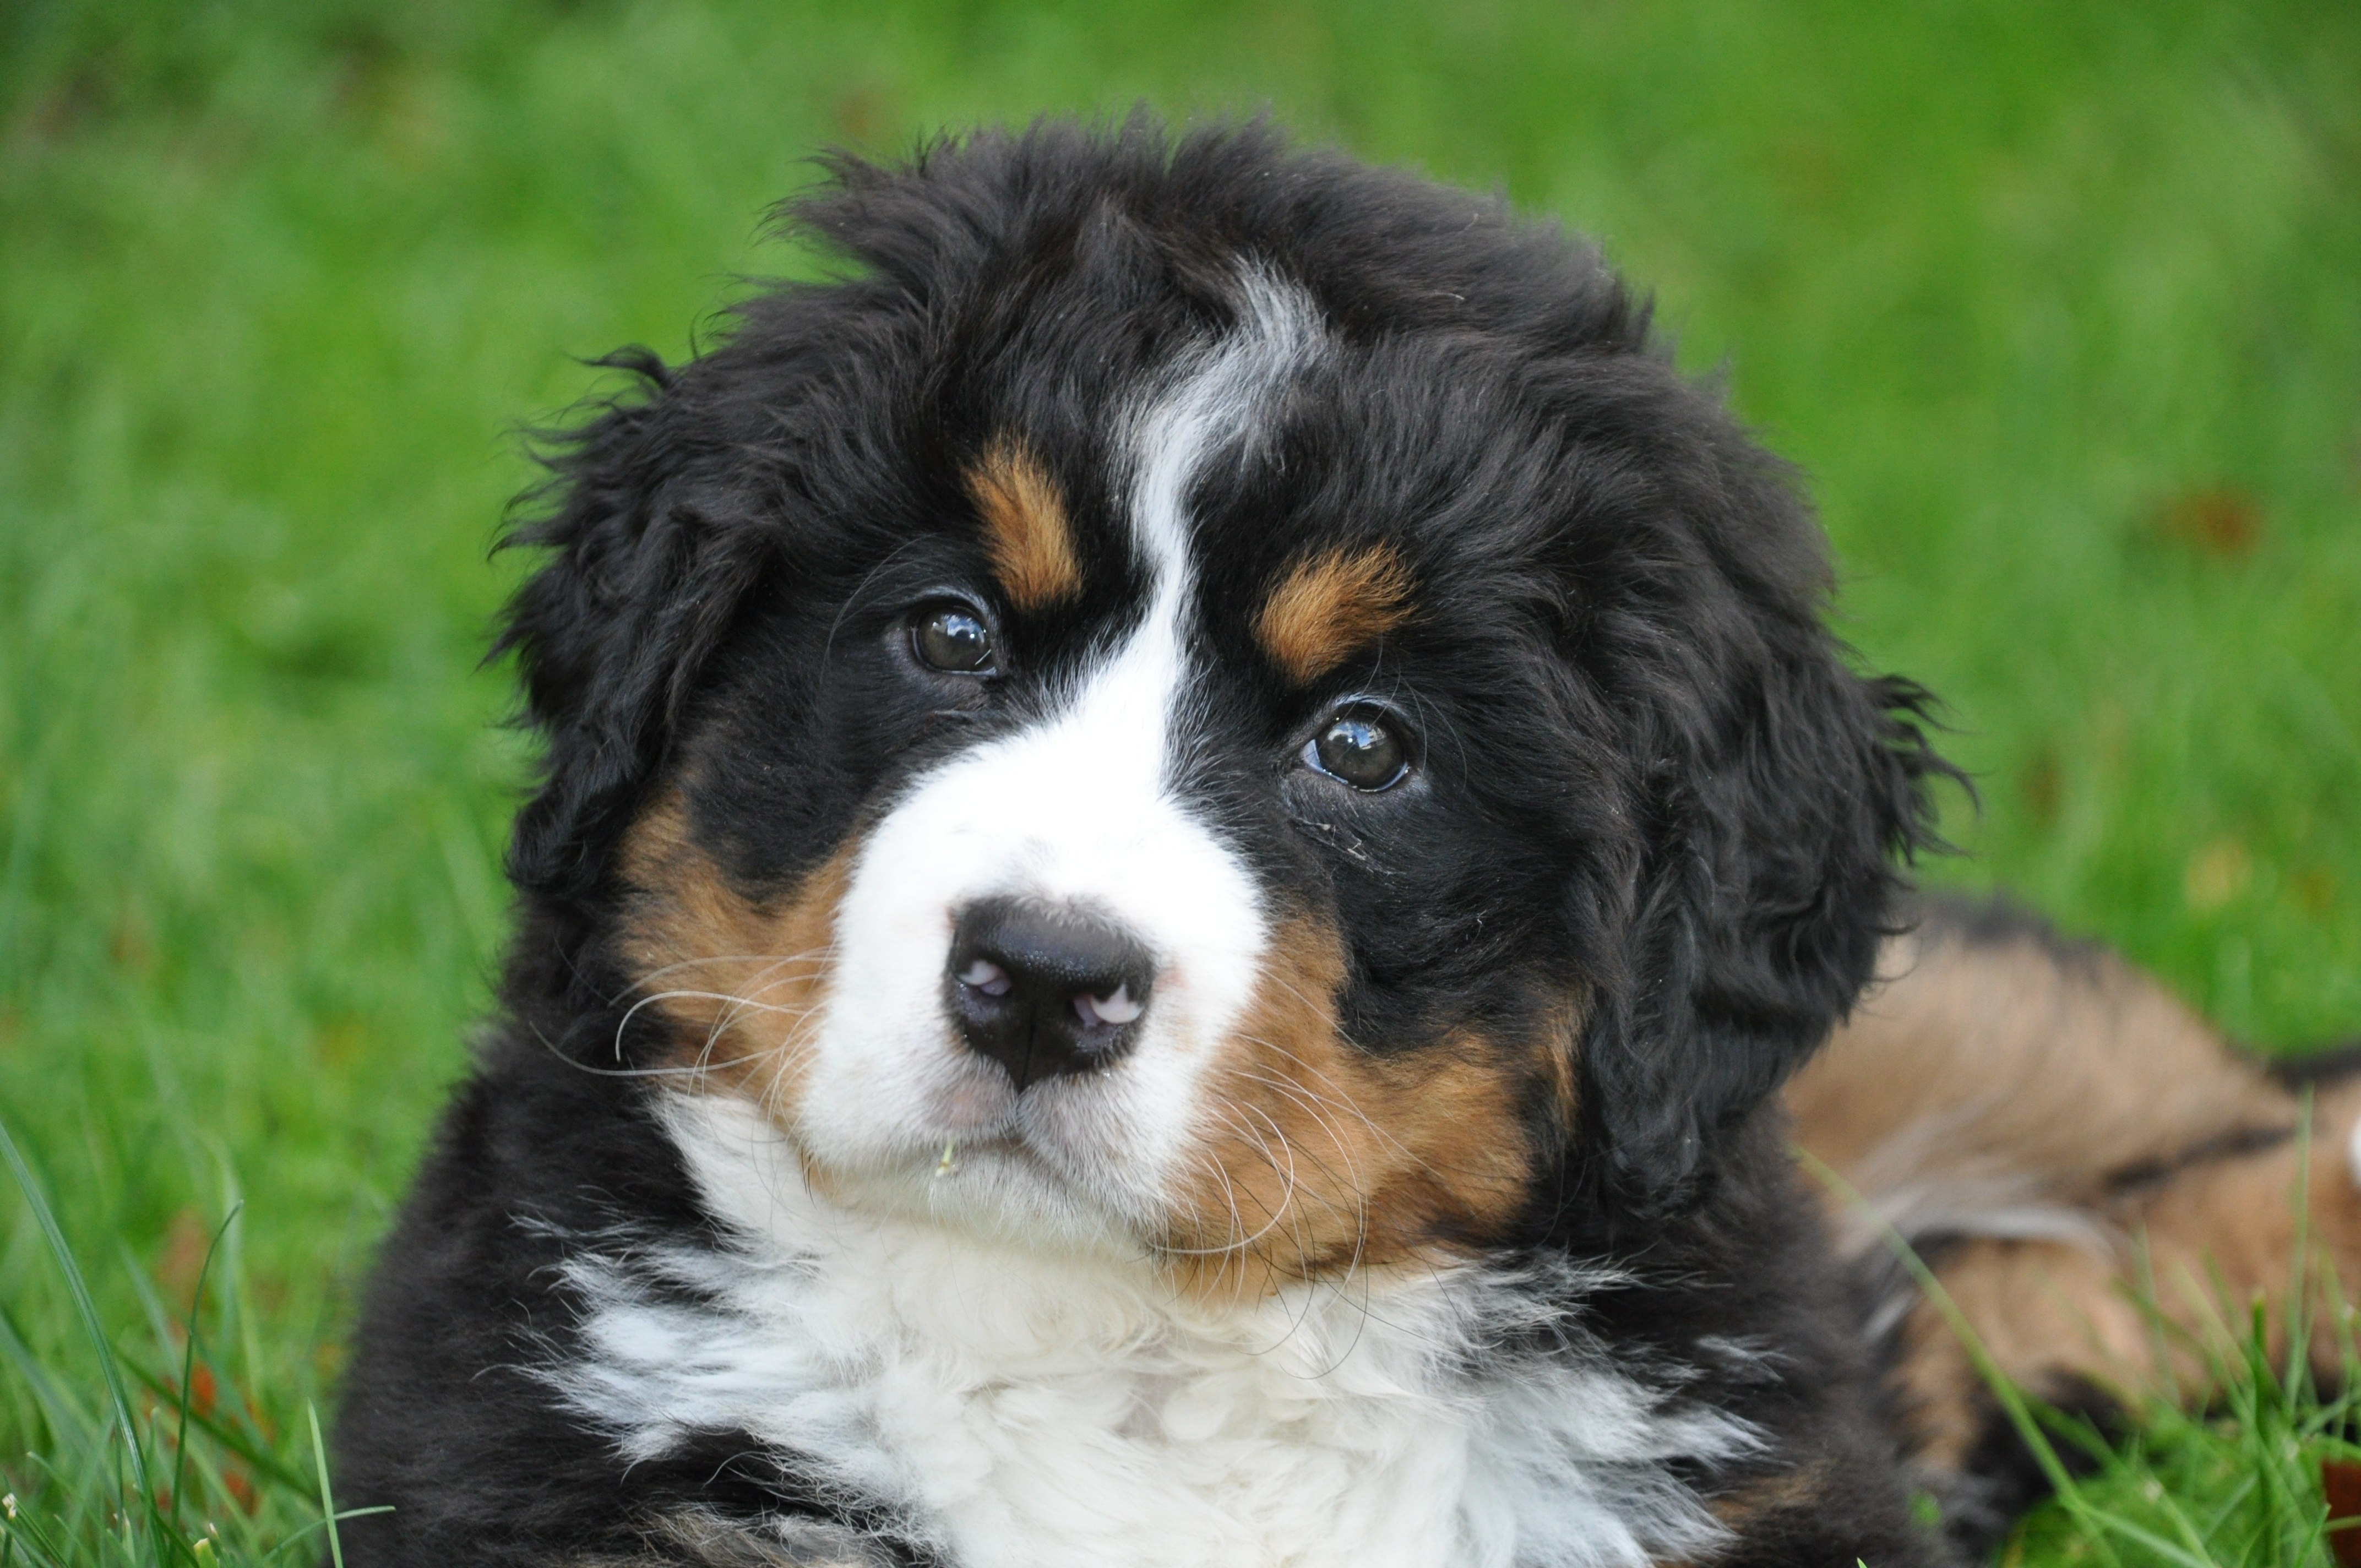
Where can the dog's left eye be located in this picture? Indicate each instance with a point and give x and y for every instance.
(953, 638)
(1361, 747)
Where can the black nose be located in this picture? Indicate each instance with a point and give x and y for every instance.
(1044, 990)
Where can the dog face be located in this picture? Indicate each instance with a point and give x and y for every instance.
(1209, 699)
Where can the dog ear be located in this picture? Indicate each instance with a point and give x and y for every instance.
(610, 631)
(1781, 793)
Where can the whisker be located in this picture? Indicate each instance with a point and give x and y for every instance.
(1355, 1198)
(1375, 1127)
(772, 959)
(735, 1006)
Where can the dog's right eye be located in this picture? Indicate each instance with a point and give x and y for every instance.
(1360, 747)
(953, 638)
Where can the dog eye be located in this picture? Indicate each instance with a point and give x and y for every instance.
(951, 637)
(1360, 748)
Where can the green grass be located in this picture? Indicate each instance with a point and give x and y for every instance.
(2059, 307)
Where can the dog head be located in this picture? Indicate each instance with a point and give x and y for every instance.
(1207, 695)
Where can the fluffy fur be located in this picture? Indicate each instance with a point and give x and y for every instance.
(1190, 822)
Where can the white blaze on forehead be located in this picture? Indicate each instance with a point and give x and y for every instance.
(1080, 808)
(1212, 410)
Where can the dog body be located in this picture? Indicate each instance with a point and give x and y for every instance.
(1190, 825)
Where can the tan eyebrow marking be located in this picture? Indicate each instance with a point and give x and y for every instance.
(1024, 526)
(1331, 605)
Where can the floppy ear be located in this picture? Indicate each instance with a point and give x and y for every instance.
(1782, 792)
(610, 631)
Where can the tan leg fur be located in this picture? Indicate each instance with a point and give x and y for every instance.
(2102, 1182)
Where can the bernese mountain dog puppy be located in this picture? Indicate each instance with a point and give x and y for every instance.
(1191, 820)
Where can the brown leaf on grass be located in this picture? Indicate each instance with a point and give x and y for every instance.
(186, 1241)
(130, 943)
(341, 1041)
(2043, 784)
(2316, 891)
(2340, 1480)
(2220, 522)
(2217, 874)
(861, 114)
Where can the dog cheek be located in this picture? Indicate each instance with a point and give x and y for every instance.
(1314, 1158)
(740, 981)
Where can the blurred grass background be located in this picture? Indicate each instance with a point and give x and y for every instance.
(2058, 306)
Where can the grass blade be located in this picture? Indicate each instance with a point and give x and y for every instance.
(328, 1497)
(87, 1309)
(259, 1460)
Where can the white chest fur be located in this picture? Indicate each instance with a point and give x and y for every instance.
(1045, 1410)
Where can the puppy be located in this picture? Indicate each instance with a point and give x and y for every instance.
(1190, 821)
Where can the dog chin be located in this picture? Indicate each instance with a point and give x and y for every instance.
(1049, 1167)
(1002, 1190)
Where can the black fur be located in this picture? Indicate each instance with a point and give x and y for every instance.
(2317, 1068)
(2008, 1478)
(1650, 775)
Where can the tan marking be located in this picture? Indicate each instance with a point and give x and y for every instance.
(1024, 526)
(1996, 1077)
(2045, 1310)
(1765, 1497)
(1560, 1055)
(2148, 1312)
(1332, 606)
(1982, 1066)
(1317, 1159)
(741, 977)
(2228, 1228)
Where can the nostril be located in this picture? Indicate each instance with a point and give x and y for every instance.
(1116, 1008)
(1045, 990)
(987, 977)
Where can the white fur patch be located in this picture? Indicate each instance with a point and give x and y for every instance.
(1036, 1408)
(1078, 809)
